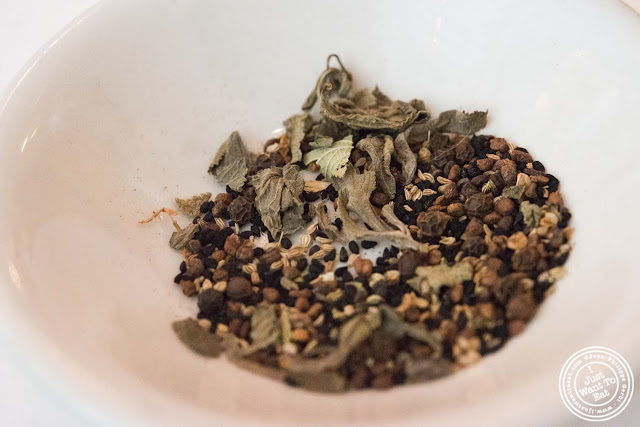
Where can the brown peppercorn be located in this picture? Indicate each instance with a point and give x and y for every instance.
(412, 314)
(491, 218)
(359, 379)
(494, 263)
(455, 209)
(474, 246)
(238, 288)
(385, 345)
(456, 292)
(487, 310)
(447, 331)
(555, 198)
(531, 190)
(290, 272)
(300, 335)
(435, 256)
(525, 259)
(499, 144)
(379, 199)
(474, 228)
(454, 173)
(193, 246)
(408, 262)
(508, 171)
(270, 256)
(504, 206)
(469, 189)
(240, 210)
(363, 267)
(480, 180)
(245, 329)
(315, 310)
(490, 279)
(505, 223)
(521, 156)
(521, 307)
(271, 295)
(231, 244)
(221, 203)
(464, 151)
(302, 304)
(433, 224)
(485, 164)
(382, 381)
(304, 293)
(420, 350)
(220, 274)
(196, 267)
(235, 325)
(245, 253)
(479, 204)
(188, 287)
(219, 255)
(515, 327)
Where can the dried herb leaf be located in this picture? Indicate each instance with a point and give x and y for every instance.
(380, 149)
(393, 324)
(231, 163)
(297, 127)
(197, 338)
(258, 368)
(393, 116)
(405, 157)
(513, 192)
(532, 215)
(285, 324)
(325, 382)
(191, 206)
(265, 330)
(429, 278)
(340, 80)
(179, 239)
(278, 198)
(427, 369)
(454, 121)
(331, 158)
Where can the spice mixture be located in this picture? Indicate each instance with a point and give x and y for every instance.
(474, 230)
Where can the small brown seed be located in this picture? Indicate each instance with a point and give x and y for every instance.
(302, 304)
(474, 246)
(555, 198)
(433, 224)
(220, 275)
(479, 204)
(492, 218)
(412, 314)
(188, 287)
(485, 164)
(487, 310)
(219, 255)
(504, 206)
(508, 171)
(300, 335)
(521, 156)
(408, 262)
(315, 310)
(517, 241)
(271, 295)
(383, 381)
(447, 331)
(363, 267)
(530, 190)
(515, 327)
(231, 244)
(525, 259)
(456, 292)
(238, 288)
(196, 267)
(435, 256)
(245, 253)
(499, 144)
(359, 379)
(290, 272)
(194, 246)
(521, 307)
(455, 209)
(304, 293)
(245, 329)
(235, 325)
(379, 199)
(490, 279)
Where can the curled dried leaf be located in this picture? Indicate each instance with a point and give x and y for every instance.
(380, 149)
(231, 163)
(331, 158)
(180, 238)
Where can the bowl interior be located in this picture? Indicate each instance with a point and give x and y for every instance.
(124, 111)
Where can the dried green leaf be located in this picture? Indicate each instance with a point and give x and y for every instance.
(340, 80)
(231, 163)
(265, 330)
(532, 215)
(429, 278)
(278, 198)
(297, 127)
(454, 121)
(191, 206)
(258, 368)
(197, 338)
(392, 323)
(513, 192)
(380, 149)
(405, 157)
(324, 382)
(180, 238)
(427, 369)
(394, 116)
(331, 158)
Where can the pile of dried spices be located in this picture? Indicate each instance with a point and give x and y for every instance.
(473, 233)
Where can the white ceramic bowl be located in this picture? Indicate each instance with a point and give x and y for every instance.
(124, 109)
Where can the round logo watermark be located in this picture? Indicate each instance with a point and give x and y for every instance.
(596, 383)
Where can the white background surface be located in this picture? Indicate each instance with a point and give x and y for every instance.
(25, 25)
